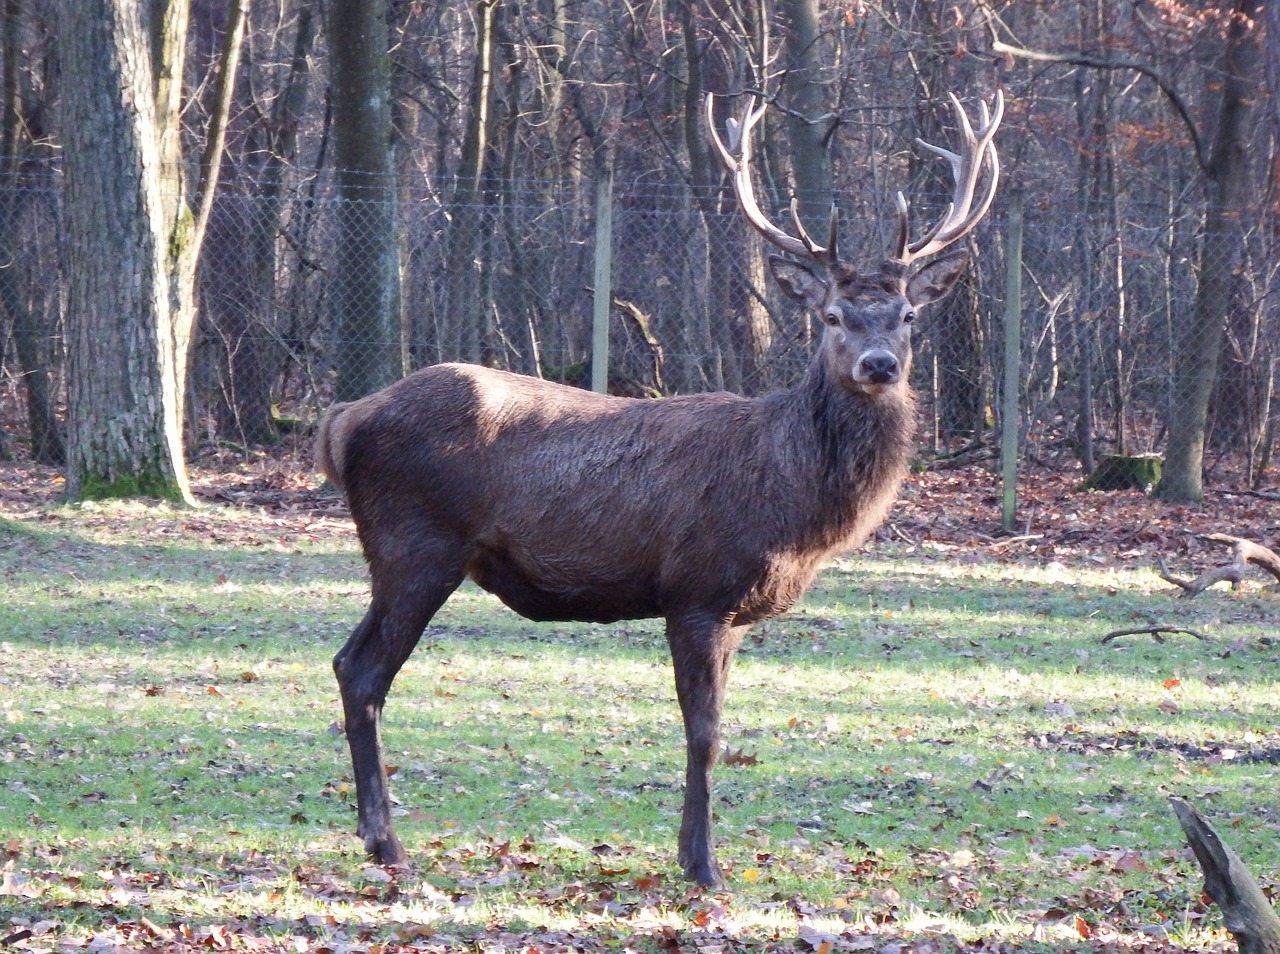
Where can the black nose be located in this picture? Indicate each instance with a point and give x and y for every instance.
(879, 368)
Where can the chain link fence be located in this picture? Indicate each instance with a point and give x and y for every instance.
(508, 281)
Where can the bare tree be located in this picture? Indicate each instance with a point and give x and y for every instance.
(1199, 344)
(245, 331)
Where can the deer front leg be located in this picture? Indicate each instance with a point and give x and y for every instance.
(365, 668)
(702, 650)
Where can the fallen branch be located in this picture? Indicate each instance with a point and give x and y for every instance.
(1245, 910)
(1260, 494)
(1010, 541)
(1245, 552)
(1154, 632)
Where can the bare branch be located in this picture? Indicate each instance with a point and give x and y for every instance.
(1155, 632)
(1104, 63)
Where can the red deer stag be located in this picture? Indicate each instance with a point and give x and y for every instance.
(712, 511)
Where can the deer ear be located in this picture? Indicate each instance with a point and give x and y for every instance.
(798, 281)
(936, 279)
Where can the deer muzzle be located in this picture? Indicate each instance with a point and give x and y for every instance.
(877, 367)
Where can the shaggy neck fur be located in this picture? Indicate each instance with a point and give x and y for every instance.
(861, 446)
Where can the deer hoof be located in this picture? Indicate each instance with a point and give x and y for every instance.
(706, 874)
(387, 850)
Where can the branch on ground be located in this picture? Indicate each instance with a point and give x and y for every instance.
(1244, 552)
(1245, 909)
(1155, 632)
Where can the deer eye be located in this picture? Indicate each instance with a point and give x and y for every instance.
(908, 316)
(832, 316)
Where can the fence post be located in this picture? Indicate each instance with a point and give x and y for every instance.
(1012, 364)
(603, 283)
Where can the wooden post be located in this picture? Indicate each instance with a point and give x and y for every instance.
(603, 282)
(1012, 364)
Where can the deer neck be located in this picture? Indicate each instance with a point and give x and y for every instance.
(851, 450)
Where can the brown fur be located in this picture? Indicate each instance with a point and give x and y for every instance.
(713, 511)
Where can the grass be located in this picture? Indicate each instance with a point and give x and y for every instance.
(931, 749)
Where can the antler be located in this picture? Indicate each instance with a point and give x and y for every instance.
(976, 152)
(802, 244)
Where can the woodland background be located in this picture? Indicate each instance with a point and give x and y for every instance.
(331, 251)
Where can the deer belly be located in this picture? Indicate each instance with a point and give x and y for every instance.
(549, 596)
(777, 590)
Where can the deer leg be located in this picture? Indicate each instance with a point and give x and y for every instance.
(702, 651)
(365, 668)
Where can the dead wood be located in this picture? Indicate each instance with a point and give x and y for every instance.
(1244, 552)
(1155, 632)
(1245, 910)
(1260, 494)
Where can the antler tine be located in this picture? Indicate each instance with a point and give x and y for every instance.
(737, 160)
(827, 254)
(977, 152)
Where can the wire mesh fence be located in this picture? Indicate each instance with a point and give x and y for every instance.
(508, 281)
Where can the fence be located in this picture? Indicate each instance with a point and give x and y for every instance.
(1106, 293)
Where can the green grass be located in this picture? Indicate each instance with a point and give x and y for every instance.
(930, 746)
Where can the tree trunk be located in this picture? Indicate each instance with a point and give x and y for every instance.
(17, 134)
(810, 119)
(1196, 355)
(131, 274)
(955, 326)
(466, 319)
(124, 382)
(365, 296)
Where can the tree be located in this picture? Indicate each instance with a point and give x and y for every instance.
(469, 321)
(245, 281)
(131, 271)
(1199, 344)
(811, 119)
(366, 294)
(23, 144)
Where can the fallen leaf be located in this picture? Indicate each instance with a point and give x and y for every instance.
(738, 757)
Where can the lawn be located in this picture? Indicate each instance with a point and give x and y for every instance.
(935, 751)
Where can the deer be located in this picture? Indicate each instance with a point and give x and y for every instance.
(712, 511)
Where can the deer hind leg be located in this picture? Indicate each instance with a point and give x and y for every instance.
(702, 650)
(405, 597)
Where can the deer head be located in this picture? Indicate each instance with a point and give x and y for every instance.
(867, 343)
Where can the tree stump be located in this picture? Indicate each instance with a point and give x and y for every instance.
(1245, 910)
(1122, 472)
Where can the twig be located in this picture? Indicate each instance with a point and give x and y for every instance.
(1154, 632)
(1010, 541)
(892, 527)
